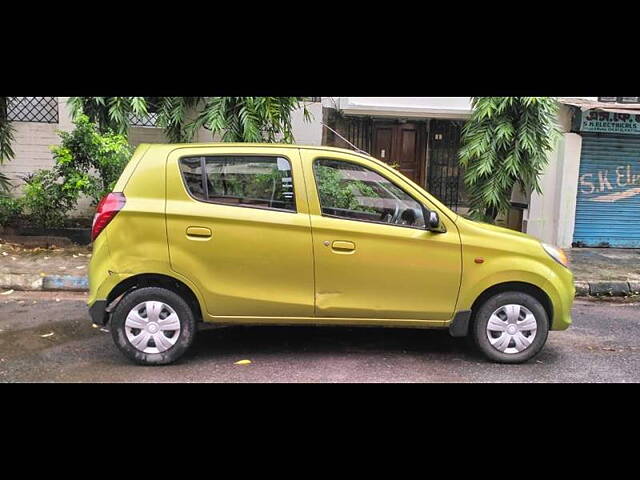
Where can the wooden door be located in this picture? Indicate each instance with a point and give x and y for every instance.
(401, 145)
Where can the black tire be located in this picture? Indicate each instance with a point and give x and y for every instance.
(483, 314)
(168, 297)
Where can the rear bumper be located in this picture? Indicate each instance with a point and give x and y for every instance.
(98, 312)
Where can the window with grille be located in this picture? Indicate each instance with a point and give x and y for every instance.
(151, 119)
(32, 109)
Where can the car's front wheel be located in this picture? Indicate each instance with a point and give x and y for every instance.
(153, 326)
(510, 327)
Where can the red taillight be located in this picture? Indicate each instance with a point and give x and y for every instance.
(108, 207)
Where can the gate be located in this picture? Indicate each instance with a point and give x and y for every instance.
(444, 178)
(444, 174)
(608, 199)
(359, 131)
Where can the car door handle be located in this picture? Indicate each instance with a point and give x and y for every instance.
(199, 233)
(343, 246)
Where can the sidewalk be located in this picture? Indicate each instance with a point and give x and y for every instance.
(605, 271)
(43, 268)
(597, 271)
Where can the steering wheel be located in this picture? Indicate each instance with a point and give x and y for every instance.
(396, 214)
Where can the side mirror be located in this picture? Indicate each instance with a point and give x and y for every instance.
(434, 219)
(433, 222)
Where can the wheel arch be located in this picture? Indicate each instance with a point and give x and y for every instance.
(522, 287)
(154, 280)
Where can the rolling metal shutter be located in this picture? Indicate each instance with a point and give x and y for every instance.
(608, 203)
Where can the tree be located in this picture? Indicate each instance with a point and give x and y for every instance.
(173, 116)
(87, 162)
(109, 113)
(506, 142)
(250, 119)
(6, 139)
(235, 119)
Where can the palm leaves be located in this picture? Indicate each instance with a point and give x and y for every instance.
(173, 116)
(6, 139)
(235, 119)
(250, 119)
(506, 142)
(109, 113)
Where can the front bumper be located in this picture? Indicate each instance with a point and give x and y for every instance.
(561, 290)
(98, 312)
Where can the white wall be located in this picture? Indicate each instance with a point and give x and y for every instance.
(551, 214)
(418, 107)
(138, 135)
(31, 145)
(308, 132)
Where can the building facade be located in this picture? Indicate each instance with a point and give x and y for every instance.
(590, 189)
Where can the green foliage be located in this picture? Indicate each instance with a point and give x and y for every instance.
(335, 192)
(87, 162)
(10, 210)
(109, 113)
(173, 116)
(506, 142)
(6, 139)
(85, 151)
(250, 119)
(47, 200)
(236, 119)
(262, 186)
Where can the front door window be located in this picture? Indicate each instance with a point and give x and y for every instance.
(353, 192)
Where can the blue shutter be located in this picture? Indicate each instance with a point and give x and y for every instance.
(608, 203)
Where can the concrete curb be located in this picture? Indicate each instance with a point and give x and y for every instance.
(65, 282)
(32, 282)
(71, 283)
(609, 289)
(20, 281)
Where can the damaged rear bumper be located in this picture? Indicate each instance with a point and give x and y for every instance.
(98, 312)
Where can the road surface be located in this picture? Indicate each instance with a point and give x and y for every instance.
(47, 337)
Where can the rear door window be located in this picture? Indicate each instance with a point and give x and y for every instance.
(244, 181)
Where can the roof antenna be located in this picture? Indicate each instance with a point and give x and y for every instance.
(355, 148)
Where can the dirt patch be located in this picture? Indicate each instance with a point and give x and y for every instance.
(45, 261)
(605, 264)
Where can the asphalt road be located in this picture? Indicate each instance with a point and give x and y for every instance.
(47, 337)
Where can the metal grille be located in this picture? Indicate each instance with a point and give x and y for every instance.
(360, 132)
(32, 109)
(608, 198)
(151, 120)
(445, 178)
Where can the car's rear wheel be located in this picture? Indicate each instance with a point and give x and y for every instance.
(153, 326)
(510, 327)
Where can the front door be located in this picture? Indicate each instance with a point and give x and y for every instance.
(238, 228)
(374, 258)
(401, 145)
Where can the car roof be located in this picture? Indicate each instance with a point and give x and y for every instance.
(261, 145)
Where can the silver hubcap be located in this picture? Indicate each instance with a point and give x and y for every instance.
(152, 327)
(512, 328)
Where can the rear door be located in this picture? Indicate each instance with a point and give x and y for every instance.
(238, 227)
